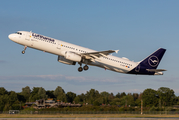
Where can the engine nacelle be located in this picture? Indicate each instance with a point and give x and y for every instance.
(71, 56)
(158, 73)
(65, 61)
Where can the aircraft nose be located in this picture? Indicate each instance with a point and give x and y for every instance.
(13, 37)
(10, 36)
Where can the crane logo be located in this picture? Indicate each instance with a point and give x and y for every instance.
(153, 61)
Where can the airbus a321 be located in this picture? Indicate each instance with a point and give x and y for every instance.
(71, 54)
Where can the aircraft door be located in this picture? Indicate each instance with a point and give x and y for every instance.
(28, 36)
(59, 44)
(28, 39)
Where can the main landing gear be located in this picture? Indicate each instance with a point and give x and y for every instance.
(25, 47)
(80, 69)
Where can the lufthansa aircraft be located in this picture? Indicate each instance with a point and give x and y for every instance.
(71, 54)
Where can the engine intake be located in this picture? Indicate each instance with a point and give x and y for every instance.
(65, 61)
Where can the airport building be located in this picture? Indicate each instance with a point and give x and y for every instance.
(49, 103)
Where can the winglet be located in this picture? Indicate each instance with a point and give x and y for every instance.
(116, 51)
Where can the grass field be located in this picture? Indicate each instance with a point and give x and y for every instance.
(86, 116)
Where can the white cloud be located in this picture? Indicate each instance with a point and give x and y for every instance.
(81, 84)
(166, 79)
(66, 78)
(83, 79)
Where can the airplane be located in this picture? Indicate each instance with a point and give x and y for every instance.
(71, 54)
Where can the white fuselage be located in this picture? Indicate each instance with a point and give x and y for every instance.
(58, 47)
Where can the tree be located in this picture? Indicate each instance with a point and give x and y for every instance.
(127, 100)
(26, 92)
(42, 93)
(58, 90)
(104, 94)
(96, 103)
(138, 102)
(123, 94)
(50, 94)
(21, 97)
(115, 101)
(62, 97)
(12, 97)
(111, 96)
(149, 97)
(135, 96)
(3, 100)
(118, 95)
(166, 95)
(13, 100)
(34, 94)
(92, 95)
(3, 91)
(38, 93)
(105, 97)
(1, 103)
(60, 94)
(105, 100)
(70, 96)
(77, 99)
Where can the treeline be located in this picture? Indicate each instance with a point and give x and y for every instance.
(151, 99)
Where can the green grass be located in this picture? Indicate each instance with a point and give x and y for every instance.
(86, 116)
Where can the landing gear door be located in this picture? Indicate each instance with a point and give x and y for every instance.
(28, 36)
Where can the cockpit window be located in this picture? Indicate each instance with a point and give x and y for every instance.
(19, 33)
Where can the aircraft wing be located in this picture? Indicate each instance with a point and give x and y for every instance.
(95, 55)
(156, 70)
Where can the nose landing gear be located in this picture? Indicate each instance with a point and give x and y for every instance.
(25, 47)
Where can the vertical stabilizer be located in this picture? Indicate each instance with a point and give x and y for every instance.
(151, 62)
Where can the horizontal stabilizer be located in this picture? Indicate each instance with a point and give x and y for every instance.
(116, 51)
(156, 70)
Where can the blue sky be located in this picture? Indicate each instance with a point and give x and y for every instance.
(137, 28)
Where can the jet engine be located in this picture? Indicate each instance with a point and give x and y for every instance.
(65, 61)
(71, 56)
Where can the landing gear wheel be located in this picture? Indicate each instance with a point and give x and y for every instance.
(25, 47)
(80, 69)
(85, 67)
(23, 51)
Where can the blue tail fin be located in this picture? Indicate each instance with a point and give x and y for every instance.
(151, 62)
